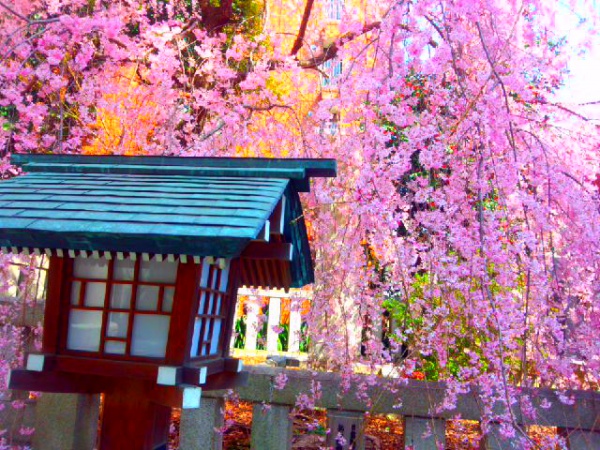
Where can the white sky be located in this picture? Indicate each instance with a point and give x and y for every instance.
(583, 85)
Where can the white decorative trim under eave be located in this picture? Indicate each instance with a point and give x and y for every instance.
(120, 256)
(275, 293)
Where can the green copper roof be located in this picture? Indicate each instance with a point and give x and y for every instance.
(297, 170)
(190, 206)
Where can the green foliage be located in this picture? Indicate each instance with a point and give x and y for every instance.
(248, 17)
(464, 342)
(304, 337)
(240, 333)
(10, 116)
(282, 339)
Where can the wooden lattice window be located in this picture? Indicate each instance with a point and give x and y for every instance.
(213, 306)
(120, 308)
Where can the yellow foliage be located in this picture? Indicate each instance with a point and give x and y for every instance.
(116, 132)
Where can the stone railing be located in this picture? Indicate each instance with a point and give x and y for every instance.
(69, 421)
(416, 401)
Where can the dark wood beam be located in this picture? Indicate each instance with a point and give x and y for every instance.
(268, 250)
(184, 311)
(226, 380)
(52, 315)
(118, 369)
(58, 382)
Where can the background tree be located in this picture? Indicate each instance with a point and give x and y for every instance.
(473, 191)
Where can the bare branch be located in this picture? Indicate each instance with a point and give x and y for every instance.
(214, 131)
(302, 31)
(597, 102)
(268, 107)
(570, 111)
(332, 50)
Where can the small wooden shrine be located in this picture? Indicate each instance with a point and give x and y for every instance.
(145, 258)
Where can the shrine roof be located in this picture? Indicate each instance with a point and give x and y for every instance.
(158, 205)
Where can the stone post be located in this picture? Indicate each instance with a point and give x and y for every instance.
(422, 433)
(66, 422)
(198, 429)
(581, 439)
(494, 441)
(349, 425)
(271, 427)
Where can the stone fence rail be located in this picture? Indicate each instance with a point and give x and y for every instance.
(417, 401)
(69, 421)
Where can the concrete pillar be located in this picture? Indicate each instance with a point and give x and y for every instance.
(198, 427)
(274, 318)
(494, 440)
(271, 427)
(66, 422)
(252, 311)
(349, 425)
(421, 433)
(295, 325)
(582, 439)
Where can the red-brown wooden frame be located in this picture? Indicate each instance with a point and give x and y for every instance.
(183, 313)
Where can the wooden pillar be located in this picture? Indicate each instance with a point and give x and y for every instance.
(274, 318)
(423, 433)
(271, 427)
(66, 422)
(131, 421)
(348, 425)
(295, 325)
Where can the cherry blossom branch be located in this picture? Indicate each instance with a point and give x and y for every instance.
(14, 47)
(487, 293)
(26, 19)
(13, 12)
